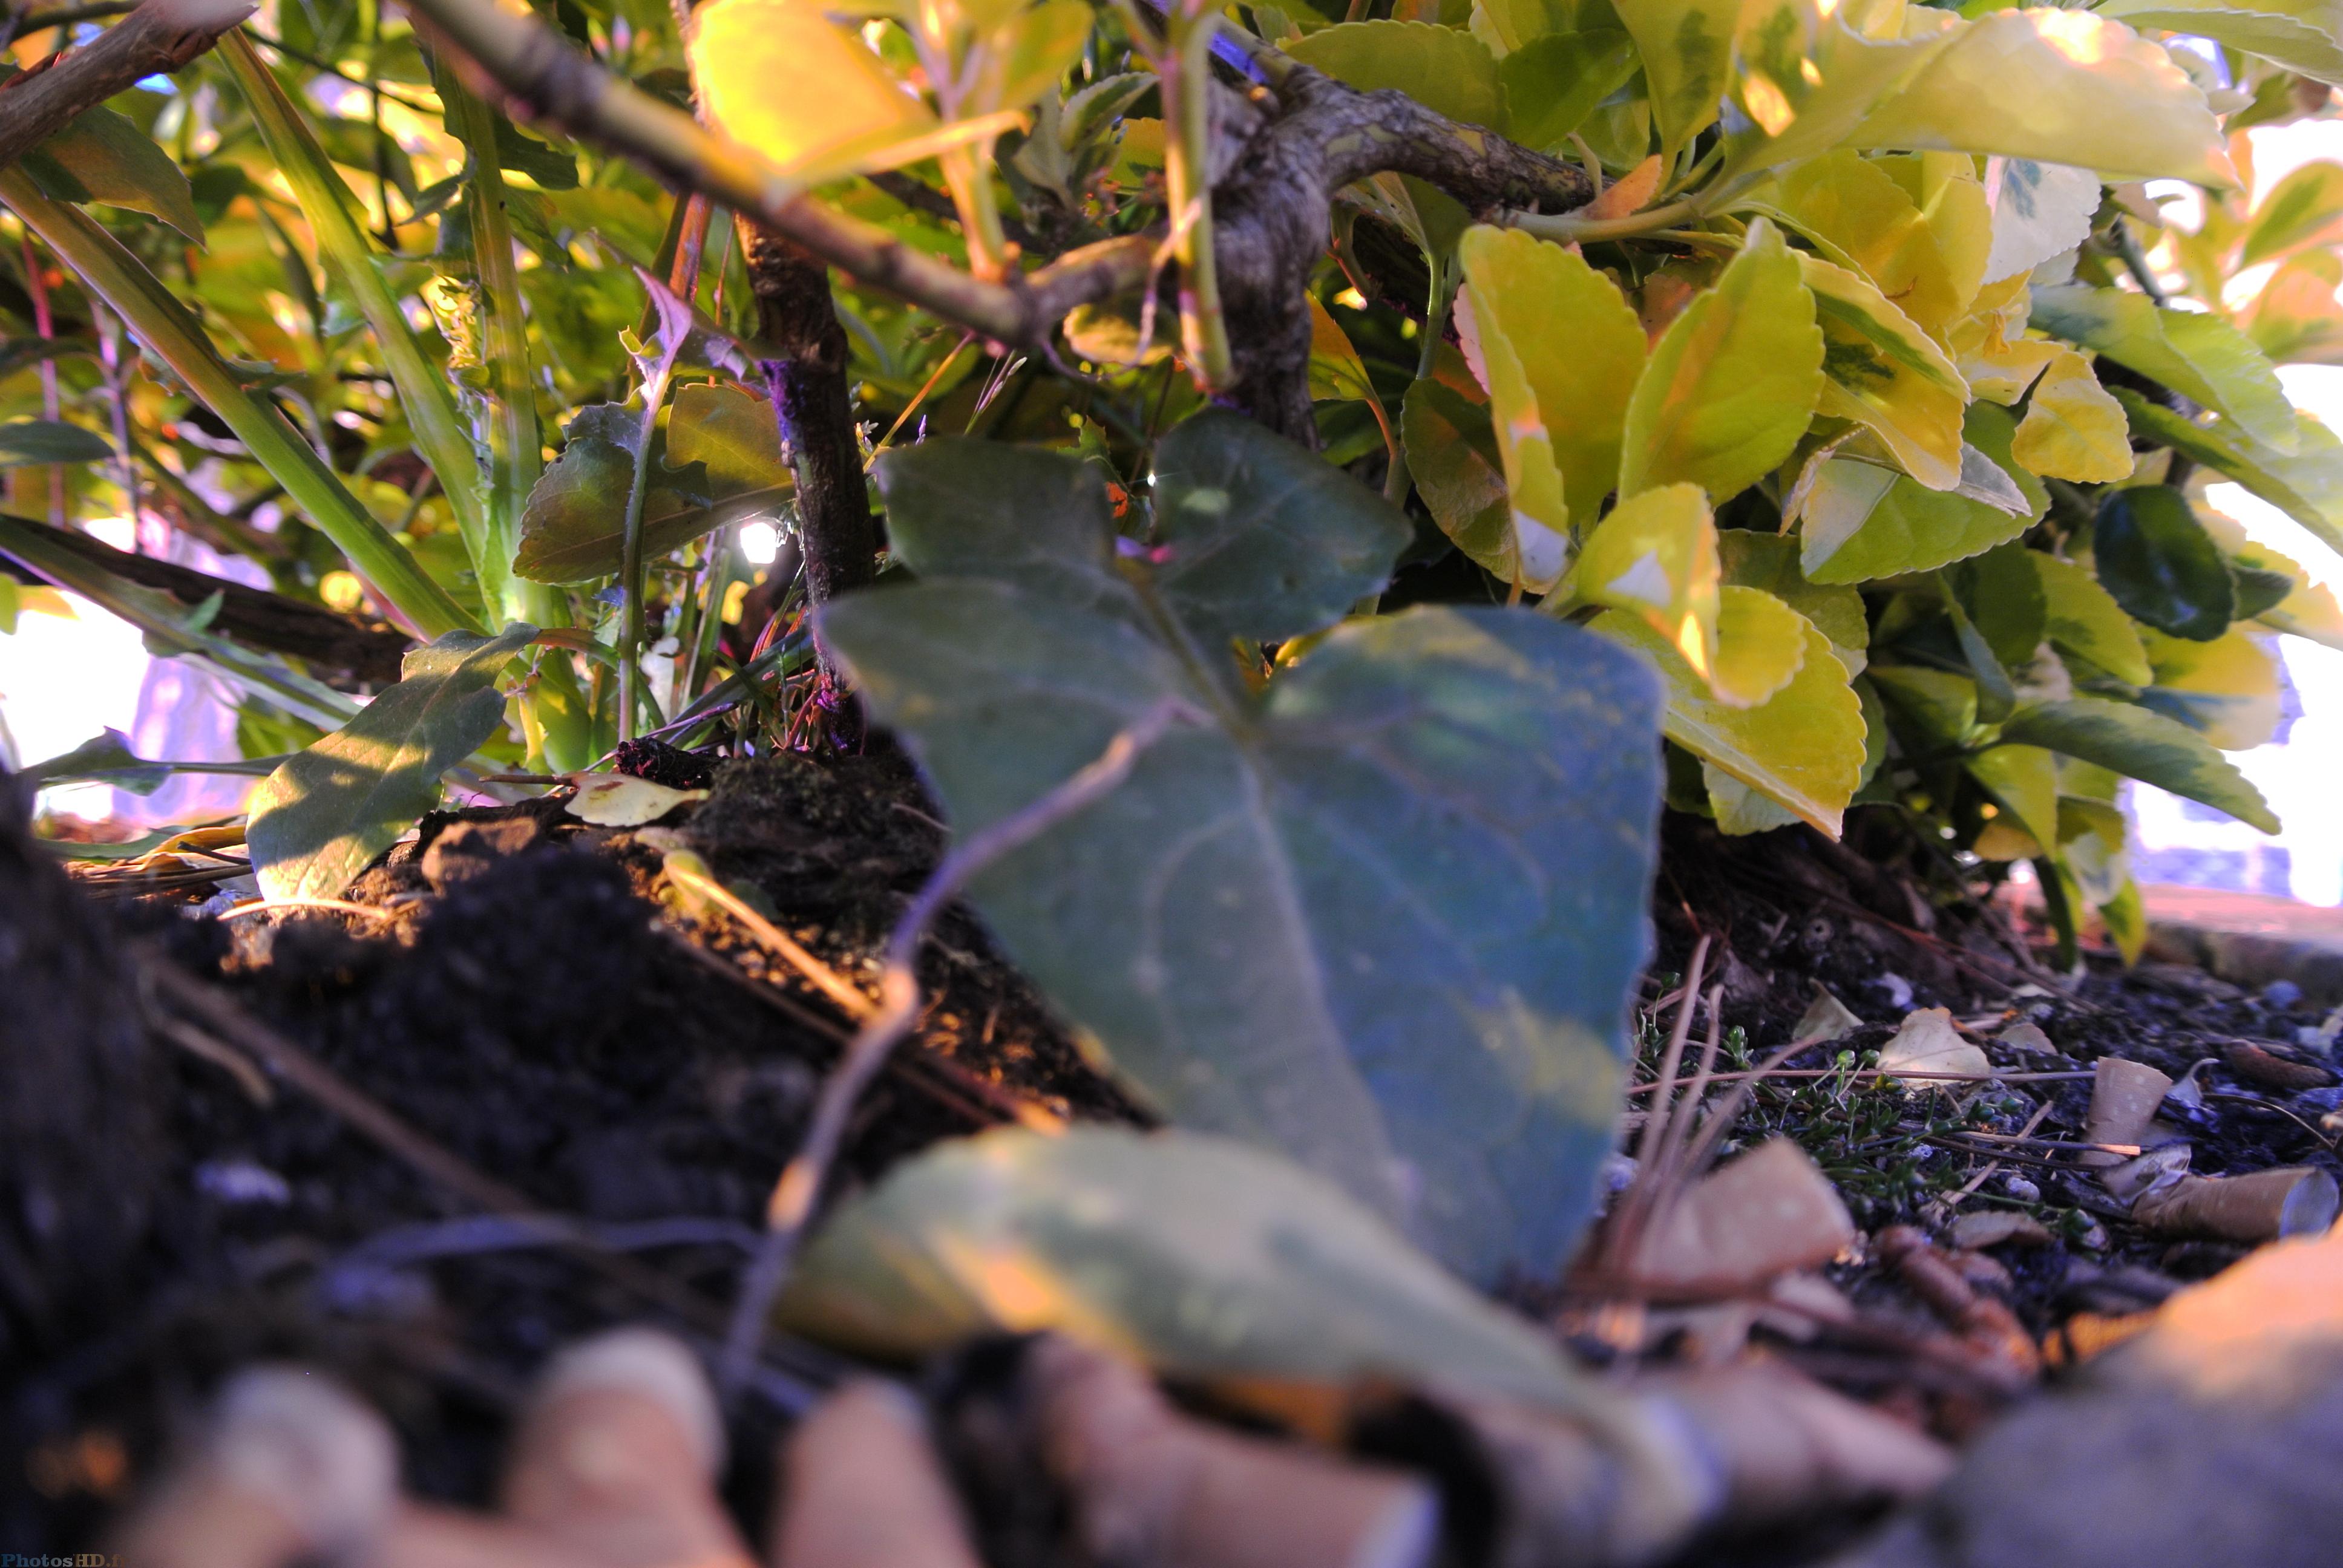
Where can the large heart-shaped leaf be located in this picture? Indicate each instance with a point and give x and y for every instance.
(1197, 1255)
(1382, 916)
(320, 817)
(2145, 746)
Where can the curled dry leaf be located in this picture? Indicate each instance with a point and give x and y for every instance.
(621, 800)
(2124, 1099)
(1768, 1212)
(1927, 1042)
(1998, 1227)
(2293, 1201)
(1825, 1019)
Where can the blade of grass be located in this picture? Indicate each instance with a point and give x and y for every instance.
(425, 397)
(161, 323)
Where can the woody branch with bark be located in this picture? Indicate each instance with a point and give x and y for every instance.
(1281, 152)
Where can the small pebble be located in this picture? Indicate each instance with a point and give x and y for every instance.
(1994, 1227)
(2019, 1188)
(2282, 993)
(242, 1181)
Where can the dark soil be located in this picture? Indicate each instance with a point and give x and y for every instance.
(524, 1005)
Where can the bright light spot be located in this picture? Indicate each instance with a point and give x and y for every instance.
(760, 542)
(2082, 37)
(342, 591)
(1350, 300)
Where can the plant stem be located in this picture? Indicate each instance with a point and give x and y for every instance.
(122, 281)
(52, 410)
(980, 212)
(1566, 229)
(1185, 69)
(630, 560)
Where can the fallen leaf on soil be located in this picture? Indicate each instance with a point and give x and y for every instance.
(2028, 1038)
(2293, 1201)
(2267, 1068)
(1927, 1042)
(2124, 1096)
(1768, 1212)
(1995, 1227)
(1827, 1018)
(621, 800)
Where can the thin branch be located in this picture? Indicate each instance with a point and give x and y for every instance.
(800, 1186)
(160, 37)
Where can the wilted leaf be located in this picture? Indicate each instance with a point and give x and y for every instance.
(317, 820)
(2195, 354)
(2086, 621)
(2160, 565)
(1732, 383)
(1880, 370)
(1803, 747)
(2145, 746)
(36, 441)
(1200, 1256)
(1244, 923)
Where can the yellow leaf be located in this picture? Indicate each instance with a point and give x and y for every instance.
(1336, 371)
(1863, 218)
(1803, 747)
(2309, 612)
(2084, 620)
(781, 77)
(2227, 688)
(1687, 50)
(2073, 429)
(1655, 556)
(1578, 348)
(1883, 372)
(1854, 68)
(2025, 780)
(1732, 383)
(2059, 87)
(1540, 545)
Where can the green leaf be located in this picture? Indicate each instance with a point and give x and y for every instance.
(1257, 537)
(523, 154)
(1770, 561)
(733, 433)
(1733, 382)
(2260, 591)
(1863, 217)
(2195, 353)
(1852, 75)
(2304, 209)
(317, 820)
(1880, 370)
(38, 441)
(573, 530)
(2160, 565)
(1803, 747)
(2004, 598)
(1200, 1256)
(1451, 454)
(1938, 704)
(103, 157)
(1687, 50)
(1862, 521)
(2085, 620)
(106, 755)
(2058, 86)
(1579, 349)
(1252, 924)
(2025, 780)
(2145, 746)
(1553, 84)
(2306, 484)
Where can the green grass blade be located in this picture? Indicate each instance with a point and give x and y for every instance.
(164, 326)
(424, 395)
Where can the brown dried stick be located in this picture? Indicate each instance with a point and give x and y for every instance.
(157, 38)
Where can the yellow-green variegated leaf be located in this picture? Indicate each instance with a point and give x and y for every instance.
(1860, 521)
(2025, 780)
(1733, 382)
(1336, 371)
(1452, 453)
(2085, 621)
(2308, 611)
(1655, 556)
(1506, 25)
(2299, 34)
(2060, 86)
(782, 78)
(1026, 55)
(1803, 747)
(2195, 353)
(1579, 345)
(1880, 370)
(1687, 50)
(2040, 210)
(1539, 548)
(1863, 217)
(1752, 558)
(1738, 808)
(1938, 706)
(2225, 690)
(1854, 71)
(2073, 429)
